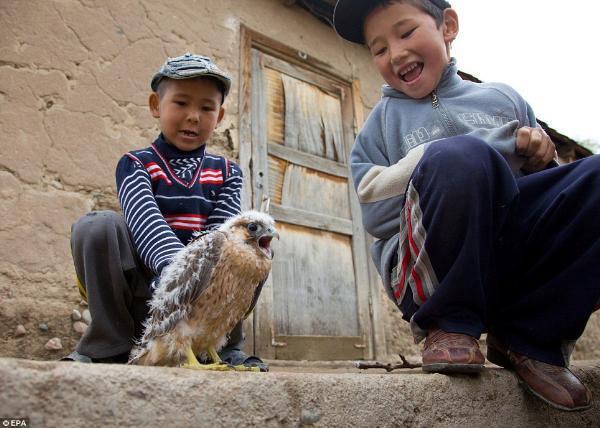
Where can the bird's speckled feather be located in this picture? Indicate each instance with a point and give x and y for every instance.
(204, 292)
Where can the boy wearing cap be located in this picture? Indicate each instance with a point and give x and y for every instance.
(478, 228)
(167, 192)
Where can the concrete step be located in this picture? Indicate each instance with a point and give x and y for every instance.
(53, 394)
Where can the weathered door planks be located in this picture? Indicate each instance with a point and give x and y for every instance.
(316, 302)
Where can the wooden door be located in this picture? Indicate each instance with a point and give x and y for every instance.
(315, 305)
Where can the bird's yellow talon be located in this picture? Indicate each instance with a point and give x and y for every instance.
(220, 367)
(243, 368)
(194, 364)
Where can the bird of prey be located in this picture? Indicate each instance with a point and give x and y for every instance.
(205, 291)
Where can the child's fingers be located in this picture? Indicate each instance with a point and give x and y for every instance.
(545, 151)
(523, 135)
(547, 148)
(533, 164)
(550, 152)
(537, 144)
(537, 160)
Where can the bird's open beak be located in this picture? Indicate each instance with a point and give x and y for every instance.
(264, 242)
(273, 232)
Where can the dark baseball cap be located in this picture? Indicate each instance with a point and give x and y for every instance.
(189, 66)
(349, 17)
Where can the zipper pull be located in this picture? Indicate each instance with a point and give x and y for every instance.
(434, 100)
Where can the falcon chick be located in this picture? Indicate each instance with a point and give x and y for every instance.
(205, 291)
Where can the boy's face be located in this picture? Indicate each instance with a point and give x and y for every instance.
(409, 50)
(188, 111)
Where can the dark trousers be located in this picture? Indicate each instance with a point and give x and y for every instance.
(117, 285)
(516, 257)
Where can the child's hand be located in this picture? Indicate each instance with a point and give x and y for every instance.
(536, 146)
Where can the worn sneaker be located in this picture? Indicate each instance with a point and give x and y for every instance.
(451, 353)
(555, 385)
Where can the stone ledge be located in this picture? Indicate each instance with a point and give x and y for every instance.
(73, 395)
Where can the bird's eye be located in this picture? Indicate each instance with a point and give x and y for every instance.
(252, 227)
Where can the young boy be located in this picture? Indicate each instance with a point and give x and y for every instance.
(167, 192)
(478, 229)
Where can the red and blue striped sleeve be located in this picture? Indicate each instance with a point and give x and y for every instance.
(154, 240)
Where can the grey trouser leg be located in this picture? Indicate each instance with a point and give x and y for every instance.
(116, 282)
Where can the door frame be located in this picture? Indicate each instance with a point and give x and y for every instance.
(373, 328)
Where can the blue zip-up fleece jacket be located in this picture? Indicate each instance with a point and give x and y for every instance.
(398, 130)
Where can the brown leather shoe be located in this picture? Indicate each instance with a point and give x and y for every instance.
(451, 353)
(555, 385)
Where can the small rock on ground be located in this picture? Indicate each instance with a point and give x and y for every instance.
(87, 317)
(53, 344)
(80, 327)
(20, 331)
(75, 315)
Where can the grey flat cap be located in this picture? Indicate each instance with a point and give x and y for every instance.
(189, 66)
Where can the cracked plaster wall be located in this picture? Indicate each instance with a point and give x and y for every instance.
(74, 79)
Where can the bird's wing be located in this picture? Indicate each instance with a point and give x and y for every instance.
(182, 282)
(256, 296)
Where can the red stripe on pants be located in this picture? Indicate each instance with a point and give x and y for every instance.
(413, 272)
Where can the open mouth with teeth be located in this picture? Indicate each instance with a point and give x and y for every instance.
(412, 72)
(264, 243)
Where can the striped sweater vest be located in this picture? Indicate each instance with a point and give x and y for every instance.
(167, 194)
